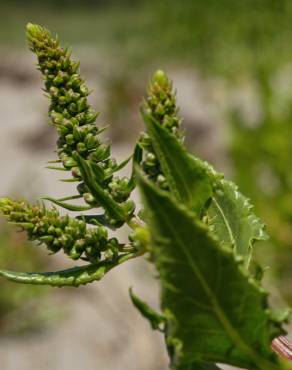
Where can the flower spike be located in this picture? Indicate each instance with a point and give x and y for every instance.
(160, 106)
(74, 118)
(58, 232)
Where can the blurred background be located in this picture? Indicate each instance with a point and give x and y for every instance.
(231, 62)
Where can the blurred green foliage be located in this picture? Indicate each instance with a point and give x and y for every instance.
(261, 153)
(220, 36)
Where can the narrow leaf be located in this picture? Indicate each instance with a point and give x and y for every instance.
(103, 197)
(57, 168)
(69, 207)
(73, 179)
(155, 319)
(122, 164)
(71, 197)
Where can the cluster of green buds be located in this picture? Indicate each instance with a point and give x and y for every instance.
(73, 117)
(160, 105)
(57, 232)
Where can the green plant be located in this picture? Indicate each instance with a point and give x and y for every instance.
(196, 228)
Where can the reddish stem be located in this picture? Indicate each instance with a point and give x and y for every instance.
(282, 347)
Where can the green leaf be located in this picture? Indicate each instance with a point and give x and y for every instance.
(68, 206)
(155, 319)
(122, 164)
(230, 216)
(192, 181)
(231, 219)
(57, 168)
(74, 277)
(73, 179)
(188, 179)
(70, 197)
(103, 197)
(215, 311)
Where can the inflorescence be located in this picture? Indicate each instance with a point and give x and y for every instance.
(160, 105)
(73, 117)
(57, 232)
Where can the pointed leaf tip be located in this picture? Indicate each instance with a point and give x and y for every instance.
(189, 179)
(114, 209)
(155, 319)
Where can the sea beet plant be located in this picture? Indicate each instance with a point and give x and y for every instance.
(196, 227)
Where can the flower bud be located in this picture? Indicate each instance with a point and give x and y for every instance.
(81, 105)
(70, 139)
(75, 172)
(62, 100)
(129, 207)
(67, 123)
(74, 81)
(161, 182)
(58, 80)
(74, 253)
(91, 141)
(54, 91)
(81, 148)
(69, 162)
(151, 159)
(78, 134)
(84, 90)
(73, 108)
(101, 153)
(89, 199)
(81, 117)
(62, 130)
(91, 117)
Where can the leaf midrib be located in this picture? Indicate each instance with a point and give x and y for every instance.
(186, 188)
(229, 230)
(230, 330)
(163, 158)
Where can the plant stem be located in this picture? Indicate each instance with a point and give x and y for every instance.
(282, 347)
